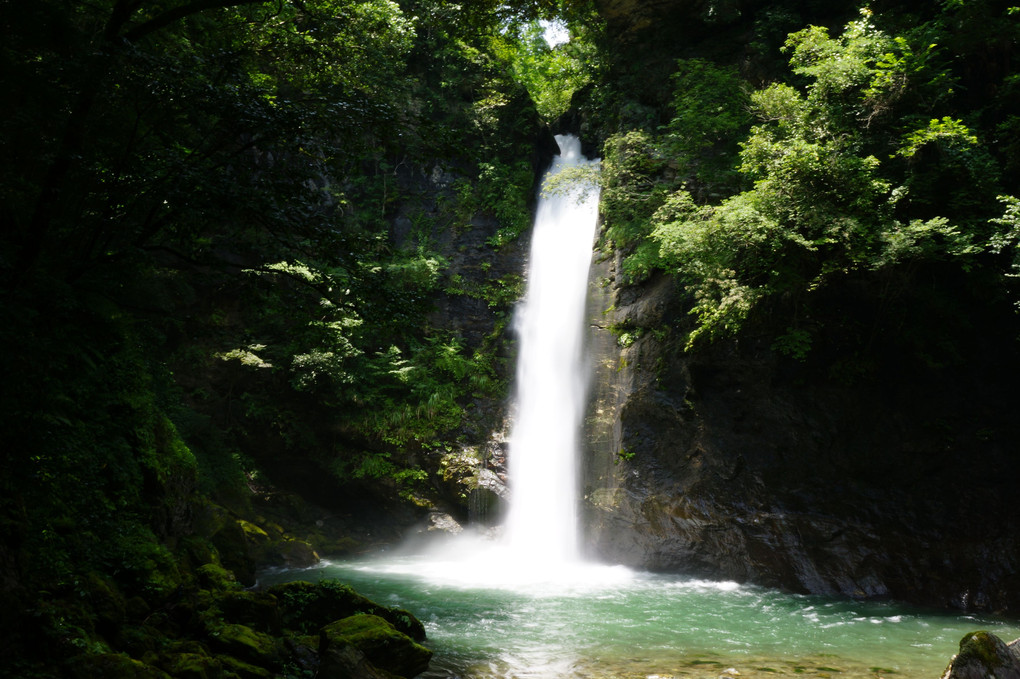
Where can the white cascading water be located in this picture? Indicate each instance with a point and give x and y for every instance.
(539, 551)
(552, 374)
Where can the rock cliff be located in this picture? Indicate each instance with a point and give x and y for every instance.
(875, 468)
(880, 464)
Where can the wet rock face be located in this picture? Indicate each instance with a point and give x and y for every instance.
(736, 462)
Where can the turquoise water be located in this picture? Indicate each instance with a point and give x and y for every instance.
(599, 622)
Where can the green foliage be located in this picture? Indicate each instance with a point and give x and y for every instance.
(1007, 239)
(710, 110)
(713, 248)
(200, 276)
(946, 133)
(94, 473)
(633, 188)
(576, 181)
(551, 74)
(849, 173)
(842, 68)
(503, 190)
(696, 153)
(795, 343)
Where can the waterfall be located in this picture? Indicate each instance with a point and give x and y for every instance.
(552, 373)
(539, 552)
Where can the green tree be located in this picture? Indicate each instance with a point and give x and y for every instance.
(551, 73)
(829, 193)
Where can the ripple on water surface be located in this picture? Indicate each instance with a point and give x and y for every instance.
(489, 617)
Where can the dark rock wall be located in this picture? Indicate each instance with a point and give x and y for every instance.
(882, 465)
(733, 461)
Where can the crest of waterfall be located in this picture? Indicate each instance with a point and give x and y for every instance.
(552, 372)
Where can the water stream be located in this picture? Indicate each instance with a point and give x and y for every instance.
(612, 623)
(552, 374)
(526, 605)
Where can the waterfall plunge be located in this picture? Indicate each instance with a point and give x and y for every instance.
(552, 374)
(539, 551)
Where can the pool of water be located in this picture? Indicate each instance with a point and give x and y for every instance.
(489, 617)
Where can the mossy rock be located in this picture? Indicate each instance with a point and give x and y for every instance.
(196, 551)
(296, 553)
(192, 666)
(246, 644)
(187, 646)
(139, 640)
(281, 550)
(334, 546)
(254, 534)
(234, 667)
(259, 542)
(307, 607)
(137, 608)
(112, 666)
(985, 656)
(344, 661)
(208, 518)
(257, 610)
(214, 577)
(108, 604)
(382, 644)
(232, 545)
(303, 652)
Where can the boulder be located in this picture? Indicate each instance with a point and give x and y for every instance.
(112, 666)
(382, 645)
(344, 661)
(192, 666)
(243, 670)
(245, 644)
(307, 607)
(257, 610)
(985, 656)
(232, 544)
(296, 553)
(216, 578)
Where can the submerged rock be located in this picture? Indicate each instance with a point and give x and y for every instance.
(985, 656)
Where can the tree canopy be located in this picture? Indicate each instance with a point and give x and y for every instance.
(221, 252)
(869, 153)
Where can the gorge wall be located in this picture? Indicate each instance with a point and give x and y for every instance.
(880, 463)
(737, 462)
